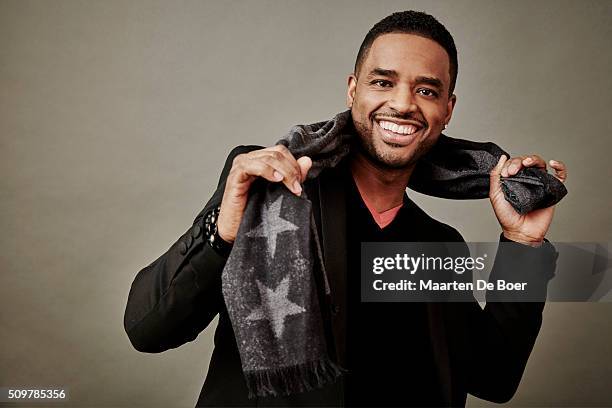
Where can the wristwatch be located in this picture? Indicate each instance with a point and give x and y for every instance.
(217, 243)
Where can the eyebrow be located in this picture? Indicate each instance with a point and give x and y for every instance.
(433, 81)
(383, 72)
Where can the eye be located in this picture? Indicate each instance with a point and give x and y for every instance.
(430, 93)
(382, 83)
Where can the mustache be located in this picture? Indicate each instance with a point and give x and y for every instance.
(395, 115)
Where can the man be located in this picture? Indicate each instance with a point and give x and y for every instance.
(401, 98)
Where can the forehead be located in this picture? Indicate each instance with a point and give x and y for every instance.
(408, 54)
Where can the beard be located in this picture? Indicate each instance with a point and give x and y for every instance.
(387, 160)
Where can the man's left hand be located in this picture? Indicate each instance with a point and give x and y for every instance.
(529, 228)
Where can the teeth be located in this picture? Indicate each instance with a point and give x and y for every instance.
(395, 128)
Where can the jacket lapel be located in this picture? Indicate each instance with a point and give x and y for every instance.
(332, 223)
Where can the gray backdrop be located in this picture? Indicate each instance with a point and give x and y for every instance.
(115, 119)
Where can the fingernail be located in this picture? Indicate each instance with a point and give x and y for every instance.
(277, 175)
(528, 160)
(554, 162)
(297, 188)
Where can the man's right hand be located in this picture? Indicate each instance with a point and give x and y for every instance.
(275, 164)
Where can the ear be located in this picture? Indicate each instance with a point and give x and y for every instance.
(350, 92)
(449, 108)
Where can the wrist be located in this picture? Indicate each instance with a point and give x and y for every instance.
(221, 226)
(223, 235)
(524, 239)
(213, 237)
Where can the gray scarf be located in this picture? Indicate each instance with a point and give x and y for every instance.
(269, 280)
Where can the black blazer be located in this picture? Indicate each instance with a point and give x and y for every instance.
(481, 352)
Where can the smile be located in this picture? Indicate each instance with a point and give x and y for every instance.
(396, 133)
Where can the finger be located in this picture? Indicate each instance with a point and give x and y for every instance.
(533, 160)
(299, 167)
(281, 165)
(495, 176)
(258, 168)
(286, 165)
(279, 152)
(305, 164)
(560, 170)
(512, 166)
(285, 152)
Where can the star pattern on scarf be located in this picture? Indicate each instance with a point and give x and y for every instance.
(275, 306)
(271, 225)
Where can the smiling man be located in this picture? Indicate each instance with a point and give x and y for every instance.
(391, 354)
(401, 104)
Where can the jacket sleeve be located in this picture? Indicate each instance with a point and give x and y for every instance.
(174, 298)
(500, 337)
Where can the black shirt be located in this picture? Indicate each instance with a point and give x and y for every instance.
(389, 354)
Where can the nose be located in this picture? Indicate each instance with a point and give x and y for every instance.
(402, 100)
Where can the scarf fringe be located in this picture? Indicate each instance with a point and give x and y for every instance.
(291, 379)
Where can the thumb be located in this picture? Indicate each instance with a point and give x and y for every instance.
(305, 164)
(495, 177)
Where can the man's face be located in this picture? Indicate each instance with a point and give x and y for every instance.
(399, 99)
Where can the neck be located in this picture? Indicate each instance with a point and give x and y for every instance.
(384, 187)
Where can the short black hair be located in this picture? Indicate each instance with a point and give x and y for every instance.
(412, 22)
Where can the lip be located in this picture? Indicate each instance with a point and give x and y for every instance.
(397, 138)
(398, 122)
